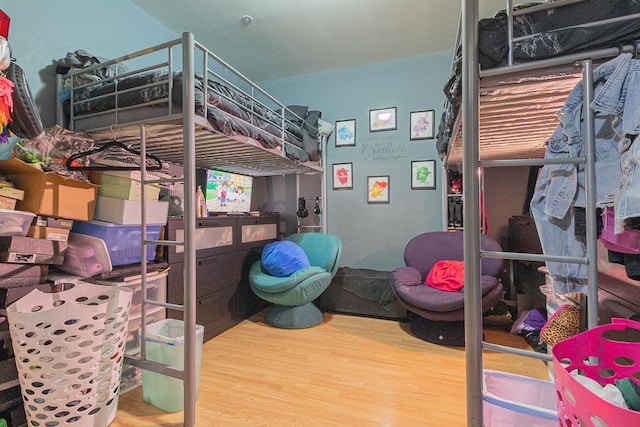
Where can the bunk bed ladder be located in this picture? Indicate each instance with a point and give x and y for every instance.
(189, 374)
(142, 361)
(471, 176)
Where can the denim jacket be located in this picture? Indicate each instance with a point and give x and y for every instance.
(620, 97)
(616, 109)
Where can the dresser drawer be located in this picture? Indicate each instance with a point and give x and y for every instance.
(216, 272)
(212, 273)
(211, 307)
(256, 231)
(215, 305)
(212, 236)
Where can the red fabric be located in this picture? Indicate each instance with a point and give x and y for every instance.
(4, 25)
(446, 275)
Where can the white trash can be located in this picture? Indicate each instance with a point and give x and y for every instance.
(165, 344)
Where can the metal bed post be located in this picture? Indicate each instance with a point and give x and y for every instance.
(470, 167)
(323, 189)
(189, 165)
(590, 194)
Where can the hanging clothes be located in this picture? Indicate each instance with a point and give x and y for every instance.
(560, 188)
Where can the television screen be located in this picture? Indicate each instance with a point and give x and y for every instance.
(228, 192)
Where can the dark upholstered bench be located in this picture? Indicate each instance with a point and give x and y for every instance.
(361, 292)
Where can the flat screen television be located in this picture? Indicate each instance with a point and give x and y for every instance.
(228, 192)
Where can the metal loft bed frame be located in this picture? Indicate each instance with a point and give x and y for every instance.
(182, 136)
(471, 165)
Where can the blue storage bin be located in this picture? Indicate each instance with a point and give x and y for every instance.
(123, 241)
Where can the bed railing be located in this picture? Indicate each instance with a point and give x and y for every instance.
(164, 60)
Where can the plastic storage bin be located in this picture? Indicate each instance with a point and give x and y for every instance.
(15, 223)
(123, 241)
(86, 256)
(515, 400)
(156, 287)
(605, 354)
(165, 344)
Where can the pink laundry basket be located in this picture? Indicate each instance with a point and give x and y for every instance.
(605, 353)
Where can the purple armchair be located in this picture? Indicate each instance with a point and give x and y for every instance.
(439, 315)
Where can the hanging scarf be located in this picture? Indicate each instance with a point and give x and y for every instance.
(6, 107)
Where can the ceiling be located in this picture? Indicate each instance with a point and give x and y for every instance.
(293, 37)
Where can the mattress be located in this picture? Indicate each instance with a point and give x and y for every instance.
(586, 25)
(229, 111)
(542, 34)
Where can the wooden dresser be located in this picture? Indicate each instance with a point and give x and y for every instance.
(226, 247)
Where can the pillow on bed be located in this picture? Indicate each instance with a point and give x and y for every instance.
(311, 122)
(310, 145)
(325, 128)
(300, 112)
(283, 258)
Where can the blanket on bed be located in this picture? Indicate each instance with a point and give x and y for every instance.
(229, 110)
(547, 42)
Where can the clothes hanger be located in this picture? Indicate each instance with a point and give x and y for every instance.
(107, 145)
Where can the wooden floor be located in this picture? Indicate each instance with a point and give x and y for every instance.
(348, 371)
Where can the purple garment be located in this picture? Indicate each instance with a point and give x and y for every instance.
(627, 242)
(530, 320)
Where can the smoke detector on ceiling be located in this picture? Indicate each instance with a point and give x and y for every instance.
(246, 20)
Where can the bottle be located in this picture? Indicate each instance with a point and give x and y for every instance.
(201, 204)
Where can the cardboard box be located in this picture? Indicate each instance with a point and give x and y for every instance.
(134, 174)
(129, 212)
(129, 192)
(8, 373)
(13, 193)
(27, 250)
(50, 194)
(7, 203)
(49, 233)
(46, 221)
(17, 275)
(124, 185)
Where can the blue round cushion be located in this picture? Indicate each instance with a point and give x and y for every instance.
(283, 258)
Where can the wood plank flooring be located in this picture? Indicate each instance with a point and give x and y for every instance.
(347, 371)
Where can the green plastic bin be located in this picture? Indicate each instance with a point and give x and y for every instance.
(165, 344)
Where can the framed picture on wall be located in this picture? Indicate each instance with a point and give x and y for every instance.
(421, 125)
(343, 176)
(346, 133)
(423, 175)
(382, 119)
(378, 189)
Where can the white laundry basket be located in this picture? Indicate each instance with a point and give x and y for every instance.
(69, 349)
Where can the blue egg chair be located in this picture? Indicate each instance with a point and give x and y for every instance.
(293, 295)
